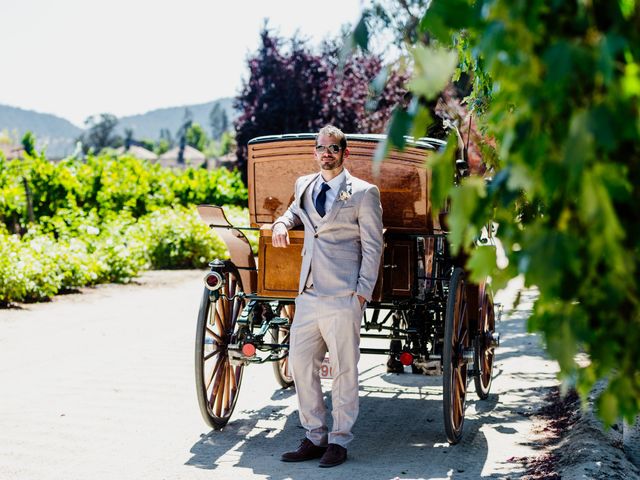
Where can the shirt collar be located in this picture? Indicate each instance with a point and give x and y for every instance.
(335, 182)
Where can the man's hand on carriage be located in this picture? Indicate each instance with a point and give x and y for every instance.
(280, 235)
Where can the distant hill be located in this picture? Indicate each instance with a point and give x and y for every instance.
(148, 125)
(59, 135)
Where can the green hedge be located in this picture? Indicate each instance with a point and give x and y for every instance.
(48, 260)
(106, 184)
(105, 220)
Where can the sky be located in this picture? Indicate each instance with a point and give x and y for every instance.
(76, 58)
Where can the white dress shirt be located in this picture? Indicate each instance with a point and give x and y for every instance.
(332, 193)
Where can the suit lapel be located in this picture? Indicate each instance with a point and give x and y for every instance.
(303, 188)
(338, 203)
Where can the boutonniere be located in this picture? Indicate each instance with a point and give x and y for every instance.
(344, 196)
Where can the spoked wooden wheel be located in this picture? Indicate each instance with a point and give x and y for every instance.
(217, 380)
(454, 366)
(281, 334)
(484, 350)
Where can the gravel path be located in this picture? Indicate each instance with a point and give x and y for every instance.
(100, 386)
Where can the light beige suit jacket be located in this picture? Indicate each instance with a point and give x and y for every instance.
(343, 249)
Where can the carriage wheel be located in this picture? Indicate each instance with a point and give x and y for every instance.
(217, 380)
(456, 340)
(484, 351)
(281, 334)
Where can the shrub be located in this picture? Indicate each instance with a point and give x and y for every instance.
(74, 250)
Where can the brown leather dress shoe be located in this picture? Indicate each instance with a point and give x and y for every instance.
(335, 455)
(306, 451)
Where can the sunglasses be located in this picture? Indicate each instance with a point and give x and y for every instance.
(333, 148)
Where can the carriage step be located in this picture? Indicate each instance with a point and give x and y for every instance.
(430, 367)
(278, 321)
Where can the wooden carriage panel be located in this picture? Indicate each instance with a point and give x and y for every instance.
(403, 180)
(279, 268)
(399, 268)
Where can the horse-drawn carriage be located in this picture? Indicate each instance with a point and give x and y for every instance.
(431, 317)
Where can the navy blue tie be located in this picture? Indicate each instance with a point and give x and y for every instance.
(321, 199)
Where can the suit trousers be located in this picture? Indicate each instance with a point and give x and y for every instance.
(324, 324)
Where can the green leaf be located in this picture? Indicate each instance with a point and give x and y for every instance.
(434, 68)
(445, 16)
(399, 127)
(578, 149)
(519, 178)
(631, 80)
(421, 122)
(464, 201)
(482, 263)
(361, 34)
(608, 407)
(627, 7)
(602, 123)
(558, 60)
(359, 37)
(378, 83)
(442, 174)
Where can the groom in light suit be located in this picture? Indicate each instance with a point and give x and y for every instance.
(342, 219)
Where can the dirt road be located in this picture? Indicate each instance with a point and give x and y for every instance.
(100, 385)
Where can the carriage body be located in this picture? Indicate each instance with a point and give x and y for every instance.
(431, 317)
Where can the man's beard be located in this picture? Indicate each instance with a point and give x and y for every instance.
(331, 165)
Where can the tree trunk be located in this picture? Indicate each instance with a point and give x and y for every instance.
(27, 191)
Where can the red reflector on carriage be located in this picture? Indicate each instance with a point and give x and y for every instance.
(406, 358)
(249, 349)
(213, 280)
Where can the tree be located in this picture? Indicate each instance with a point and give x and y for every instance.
(283, 93)
(196, 137)
(147, 143)
(351, 101)
(565, 169)
(291, 89)
(218, 121)
(29, 143)
(128, 138)
(182, 133)
(100, 133)
(397, 19)
(222, 147)
(165, 143)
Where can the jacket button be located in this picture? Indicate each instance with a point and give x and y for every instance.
(316, 235)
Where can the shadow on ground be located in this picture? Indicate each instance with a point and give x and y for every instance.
(395, 436)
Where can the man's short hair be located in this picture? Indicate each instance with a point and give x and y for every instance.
(331, 131)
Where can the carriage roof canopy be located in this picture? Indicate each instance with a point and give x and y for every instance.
(275, 162)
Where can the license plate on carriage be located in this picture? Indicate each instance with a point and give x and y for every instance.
(326, 371)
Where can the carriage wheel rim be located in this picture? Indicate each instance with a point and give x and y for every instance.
(284, 335)
(487, 353)
(458, 372)
(222, 379)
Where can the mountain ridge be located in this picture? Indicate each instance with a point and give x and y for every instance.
(58, 135)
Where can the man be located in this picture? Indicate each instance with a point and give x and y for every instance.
(342, 219)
